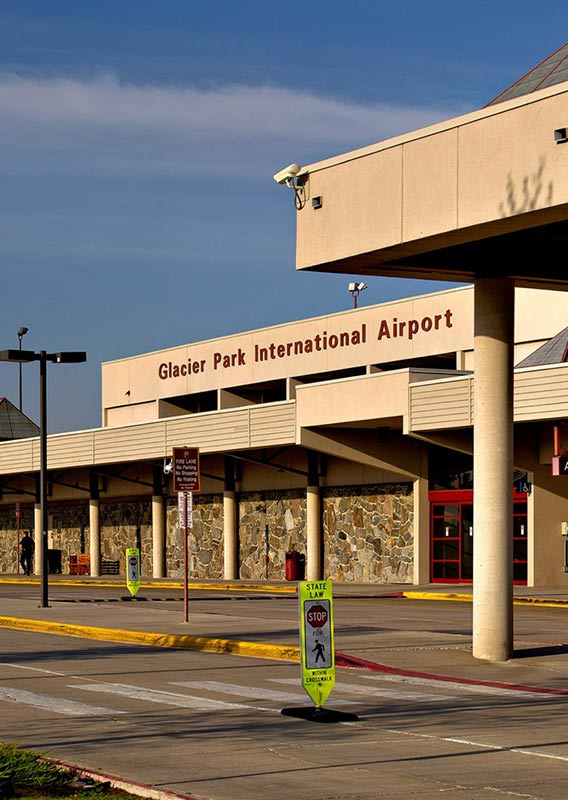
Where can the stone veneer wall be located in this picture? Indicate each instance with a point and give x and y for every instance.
(270, 523)
(205, 542)
(368, 533)
(126, 524)
(123, 524)
(9, 550)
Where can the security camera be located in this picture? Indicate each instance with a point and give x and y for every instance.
(287, 174)
(168, 466)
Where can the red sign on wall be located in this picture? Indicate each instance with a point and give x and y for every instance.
(185, 463)
(560, 465)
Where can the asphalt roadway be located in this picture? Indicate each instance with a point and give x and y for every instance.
(487, 743)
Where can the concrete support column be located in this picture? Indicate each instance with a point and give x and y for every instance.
(95, 536)
(158, 523)
(230, 524)
(158, 536)
(313, 534)
(38, 554)
(421, 532)
(230, 549)
(314, 544)
(493, 469)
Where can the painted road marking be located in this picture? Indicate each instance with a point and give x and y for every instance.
(157, 696)
(255, 692)
(32, 669)
(186, 700)
(68, 708)
(373, 691)
(465, 687)
(244, 691)
(526, 751)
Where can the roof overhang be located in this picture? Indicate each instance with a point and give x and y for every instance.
(485, 194)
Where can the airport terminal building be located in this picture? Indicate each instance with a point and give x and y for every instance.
(345, 438)
(382, 443)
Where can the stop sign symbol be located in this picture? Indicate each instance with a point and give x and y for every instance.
(317, 616)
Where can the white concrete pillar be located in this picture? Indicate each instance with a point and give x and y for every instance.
(158, 537)
(421, 532)
(38, 554)
(313, 534)
(493, 469)
(95, 536)
(230, 550)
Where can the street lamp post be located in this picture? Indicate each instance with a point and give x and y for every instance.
(23, 357)
(22, 332)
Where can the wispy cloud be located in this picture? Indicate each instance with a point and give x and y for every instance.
(160, 128)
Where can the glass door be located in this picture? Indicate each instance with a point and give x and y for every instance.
(451, 527)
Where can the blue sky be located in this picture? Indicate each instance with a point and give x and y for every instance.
(139, 139)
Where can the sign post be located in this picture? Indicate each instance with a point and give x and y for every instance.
(18, 515)
(133, 570)
(185, 512)
(185, 464)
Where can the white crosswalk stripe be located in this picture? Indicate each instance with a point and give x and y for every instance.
(373, 691)
(157, 696)
(244, 691)
(501, 691)
(364, 687)
(251, 691)
(68, 708)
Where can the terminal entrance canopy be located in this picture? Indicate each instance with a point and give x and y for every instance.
(482, 198)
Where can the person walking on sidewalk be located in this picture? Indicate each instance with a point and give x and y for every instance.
(27, 547)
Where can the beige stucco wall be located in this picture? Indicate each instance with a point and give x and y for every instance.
(550, 509)
(412, 328)
(497, 167)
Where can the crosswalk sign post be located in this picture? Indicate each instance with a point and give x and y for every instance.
(317, 652)
(317, 640)
(133, 570)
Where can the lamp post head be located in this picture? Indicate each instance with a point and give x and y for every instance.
(23, 330)
(70, 357)
(21, 356)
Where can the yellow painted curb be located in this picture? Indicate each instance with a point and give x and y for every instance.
(241, 587)
(200, 643)
(468, 598)
(540, 601)
(464, 598)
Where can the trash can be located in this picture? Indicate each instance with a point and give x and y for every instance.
(54, 561)
(294, 564)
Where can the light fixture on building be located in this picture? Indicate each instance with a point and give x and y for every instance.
(560, 135)
(289, 176)
(23, 357)
(356, 289)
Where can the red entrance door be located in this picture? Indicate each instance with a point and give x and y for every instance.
(452, 537)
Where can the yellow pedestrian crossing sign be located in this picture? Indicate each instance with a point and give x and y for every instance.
(317, 639)
(133, 570)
